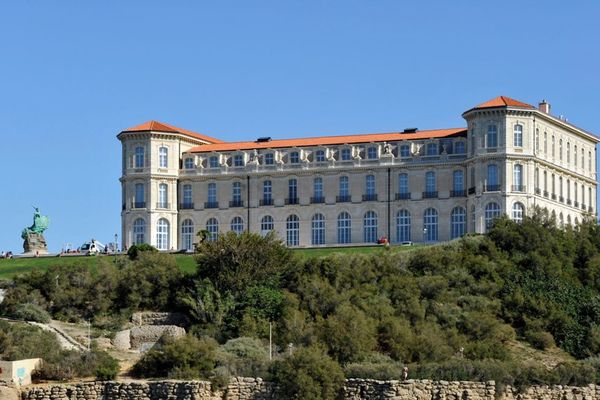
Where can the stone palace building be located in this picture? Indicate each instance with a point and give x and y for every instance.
(408, 186)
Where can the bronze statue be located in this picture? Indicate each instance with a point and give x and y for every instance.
(34, 241)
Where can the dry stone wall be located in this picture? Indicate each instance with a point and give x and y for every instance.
(257, 389)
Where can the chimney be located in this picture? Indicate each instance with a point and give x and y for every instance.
(544, 107)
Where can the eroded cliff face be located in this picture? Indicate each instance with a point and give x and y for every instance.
(257, 389)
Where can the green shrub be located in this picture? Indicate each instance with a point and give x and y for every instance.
(107, 368)
(244, 357)
(308, 374)
(31, 312)
(539, 339)
(136, 249)
(376, 366)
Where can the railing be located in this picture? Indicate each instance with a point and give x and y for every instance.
(369, 197)
(576, 204)
(569, 202)
(518, 188)
(211, 204)
(561, 199)
(236, 203)
(538, 191)
(583, 206)
(346, 198)
(266, 202)
(553, 196)
(492, 188)
(292, 200)
(163, 205)
(403, 196)
(138, 204)
(591, 209)
(430, 195)
(458, 193)
(317, 200)
(546, 193)
(186, 206)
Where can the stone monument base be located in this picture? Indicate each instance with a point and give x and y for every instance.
(35, 243)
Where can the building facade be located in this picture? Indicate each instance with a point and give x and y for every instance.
(408, 186)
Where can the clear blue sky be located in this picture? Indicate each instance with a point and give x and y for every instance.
(74, 74)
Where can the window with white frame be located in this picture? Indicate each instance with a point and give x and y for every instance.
(163, 195)
(372, 153)
(163, 157)
(346, 154)
(404, 150)
(518, 135)
(266, 225)
(518, 177)
(187, 235)
(370, 227)
(267, 192)
(162, 234)
(492, 211)
(237, 225)
(518, 211)
(430, 225)
(403, 226)
(458, 222)
(492, 136)
(212, 226)
(188, 163)
(139, 157)
(344, 228)
(318, 229)
(139, 231)
(292, 229)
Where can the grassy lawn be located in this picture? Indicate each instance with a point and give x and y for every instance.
(10, 268)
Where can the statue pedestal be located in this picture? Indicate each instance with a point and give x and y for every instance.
(35, 243)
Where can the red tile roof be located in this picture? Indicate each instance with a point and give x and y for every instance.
(162, 127)
(328, 140)
(503, 101)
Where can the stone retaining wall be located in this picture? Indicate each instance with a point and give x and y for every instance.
(257, 389)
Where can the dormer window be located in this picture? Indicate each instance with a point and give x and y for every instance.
(346, 154)
(432, 149)
(238, 160)
(213, 162)
(320, 156)
(189, 163)
(405, 150)
(294, 157)
(269, 159)
(372, 153)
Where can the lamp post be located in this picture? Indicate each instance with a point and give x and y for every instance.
(116, 247)
(424, 234)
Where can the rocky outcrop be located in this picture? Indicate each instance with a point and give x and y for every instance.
(257, 389)
(159, 318)
(145, 337)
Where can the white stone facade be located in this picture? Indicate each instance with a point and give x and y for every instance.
(510, 158)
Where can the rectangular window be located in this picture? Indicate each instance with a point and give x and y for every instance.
(430, 182)
(267, 193)
(139, 157)
(405, 150)
(318, 188)
(236, 192)
(238, 160)
(432, 149)
(457, 181)
(292, 190)
(294, 157)
(269, 159)
(346, 156)
(403, 183)
(189, 163)
(372, 153)
(213, 162)
(492, 136)
(187, 195)
(320, 156)
(370, 185)
(163, 157)
(344, 186)
(212, 192)
(139, 195)
(518, 136)
(459, 148)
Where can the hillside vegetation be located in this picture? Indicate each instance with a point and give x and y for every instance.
(469, 309)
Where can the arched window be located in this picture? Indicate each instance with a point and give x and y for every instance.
(266, 225)
(212, 226)
(370, 227)
(561, 220)
(403, 226)
(292, 229)
(492, 136)
(187, 234)
(139, 231)
(139, 157)
(344, 228)
(518, 212)
(492, 184)
(518, 135)
(237, 225)
(492, 211)
(517, 178)
(568, 220)
(458, 222)
(318, 229)
(163, 157)
(163, 195)
(162, 234)
(430, 225)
